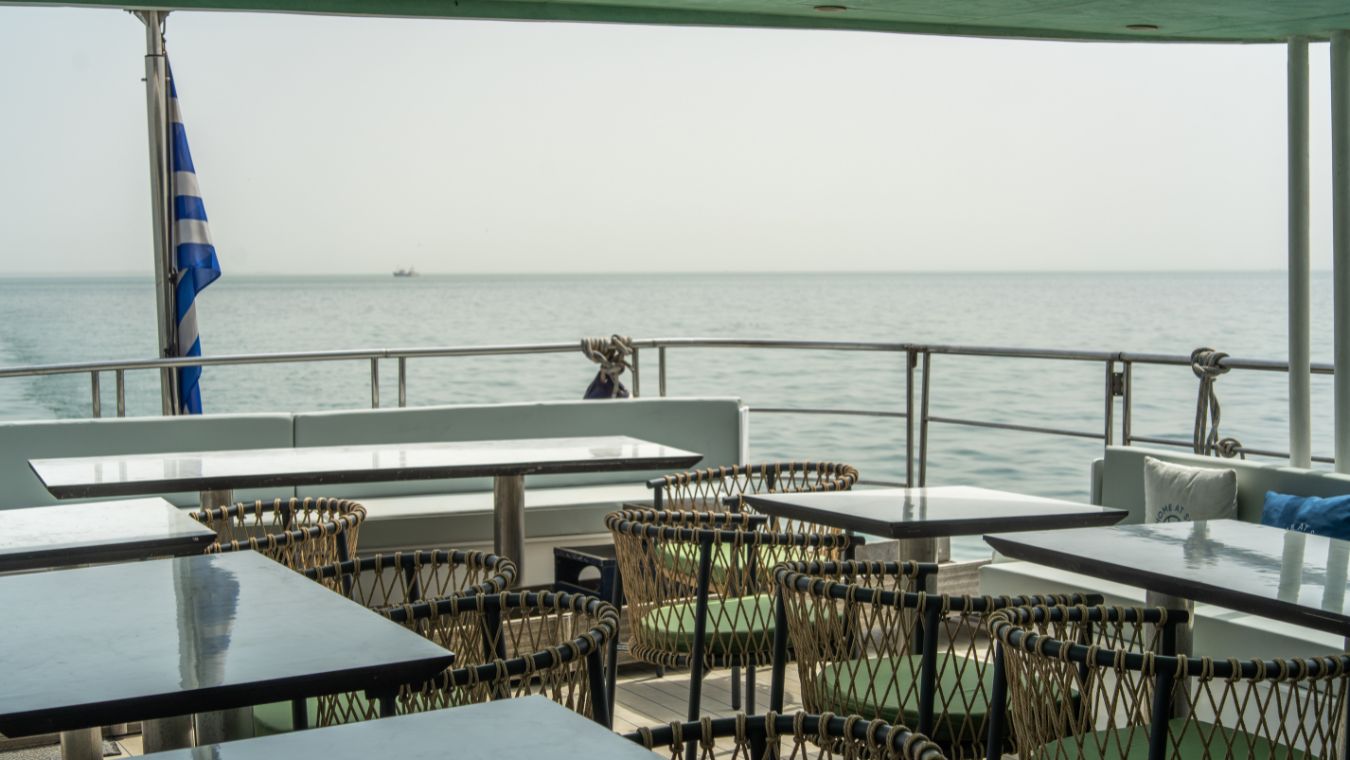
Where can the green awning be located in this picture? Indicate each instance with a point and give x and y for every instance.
(1103, 20)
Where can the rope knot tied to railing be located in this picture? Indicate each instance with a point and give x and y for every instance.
(612, 355)
(1207, 364)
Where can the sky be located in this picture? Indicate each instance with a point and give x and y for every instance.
(357, 145)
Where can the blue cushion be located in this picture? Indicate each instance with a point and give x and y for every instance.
(1320, 516)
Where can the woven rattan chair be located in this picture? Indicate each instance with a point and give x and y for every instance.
(1131, 703)
(299, 534)
(716, 489)
(798, 736)
(867, 644)
(685, 608)
(383, 581)
(388, 581)
(506, 645)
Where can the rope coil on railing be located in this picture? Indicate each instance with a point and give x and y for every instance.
(612, 355)
(1207, 364)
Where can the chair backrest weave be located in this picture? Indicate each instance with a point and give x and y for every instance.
(1126, 697)
(381, 581)
(796, 736)
(298, 533)
(662, 556)
(506, 645)
(712, 488)
(868, 641)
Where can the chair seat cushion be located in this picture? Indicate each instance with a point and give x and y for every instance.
(683, 559)
(734, 625)
(876, 687)
(1191, 742)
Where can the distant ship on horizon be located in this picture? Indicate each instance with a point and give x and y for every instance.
(409, 272)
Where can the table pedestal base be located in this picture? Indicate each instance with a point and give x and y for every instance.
(221, 497)
(224, 725)
(1182, 643)
(167, 733)
(83, 744)
(508, 520)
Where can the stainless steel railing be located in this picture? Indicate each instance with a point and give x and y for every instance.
(1117, 383)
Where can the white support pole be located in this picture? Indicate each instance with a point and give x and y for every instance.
(157, 105)
(1300, 319)
(1340, 247)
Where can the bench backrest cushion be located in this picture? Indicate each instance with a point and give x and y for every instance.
(713, 427)
(1122, 480)
(21, 441)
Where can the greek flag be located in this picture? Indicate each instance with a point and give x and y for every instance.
(195, 264)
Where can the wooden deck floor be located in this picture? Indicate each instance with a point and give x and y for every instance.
(644, 699)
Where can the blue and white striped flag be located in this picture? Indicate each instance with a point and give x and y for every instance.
(194, 257)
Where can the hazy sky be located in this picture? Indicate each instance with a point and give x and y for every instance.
(351, 145)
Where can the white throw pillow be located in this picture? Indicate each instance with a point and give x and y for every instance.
(1174, 493)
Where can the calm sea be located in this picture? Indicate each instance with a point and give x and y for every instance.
(58, 320)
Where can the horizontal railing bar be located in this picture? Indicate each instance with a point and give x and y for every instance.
(1161, 441)
(562, 348)
(1028, 353)
(1021, 428)
(1267, 365)
(883, 483)
(1255, 452)
(840, 412)
(804, 345)
(290, 357)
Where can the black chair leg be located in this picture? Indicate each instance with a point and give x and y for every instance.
(735, 687)
(616, 599)
(750, 689)
(700, 634)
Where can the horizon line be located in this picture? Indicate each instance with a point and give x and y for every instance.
(148, 275)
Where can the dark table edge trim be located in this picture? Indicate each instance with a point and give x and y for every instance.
(95, 553)
(72, 717)
(144, 487)
(1180, 586)
(1101, 516)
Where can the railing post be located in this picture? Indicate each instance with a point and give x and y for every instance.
(1109, 433)
(97, 397)
(923, 418)
(1127, 404)
(121, 376)
(911, 359)
(637, 375)
(661, 370)
(402, 381)
(1300, 320)
(374, 383)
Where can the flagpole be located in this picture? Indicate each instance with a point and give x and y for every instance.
(156, 91)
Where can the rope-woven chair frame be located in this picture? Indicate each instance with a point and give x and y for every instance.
(664, 558)
(868, 641)
(718, 489)
(1129, 697)
(298, 533)
(506, 645)
(381, 581)
(799, 736)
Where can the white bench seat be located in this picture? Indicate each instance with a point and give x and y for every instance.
(398, 522)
